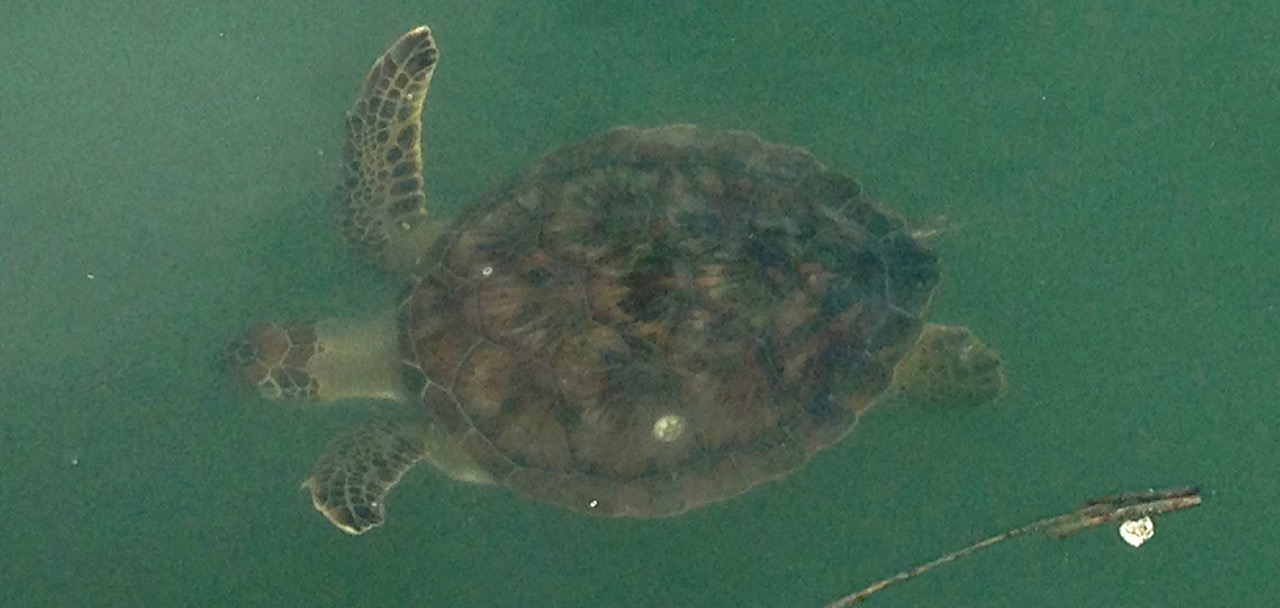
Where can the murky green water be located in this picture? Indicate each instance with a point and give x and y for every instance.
(1109, 173)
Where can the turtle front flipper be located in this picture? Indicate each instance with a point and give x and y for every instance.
(382, 199)
(349, 484)
(948, 365)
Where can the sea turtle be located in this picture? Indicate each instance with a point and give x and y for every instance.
(641, 323)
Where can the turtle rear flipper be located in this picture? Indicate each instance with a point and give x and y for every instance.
(382, 199)
(949, 366)
(349, 484)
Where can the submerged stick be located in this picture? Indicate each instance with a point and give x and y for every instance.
(1093, 512)
(1123, 507)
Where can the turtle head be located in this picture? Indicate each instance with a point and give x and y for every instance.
(321, 361)
(274, 358)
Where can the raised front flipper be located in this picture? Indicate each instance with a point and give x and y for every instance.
(382, 200)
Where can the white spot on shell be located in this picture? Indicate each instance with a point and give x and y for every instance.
(669, 428)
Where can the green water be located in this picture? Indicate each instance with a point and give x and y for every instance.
(1108, 170)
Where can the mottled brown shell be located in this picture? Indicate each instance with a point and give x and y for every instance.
(736, 291)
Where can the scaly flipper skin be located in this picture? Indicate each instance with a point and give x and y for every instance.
(382, 199)
(350, 482)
